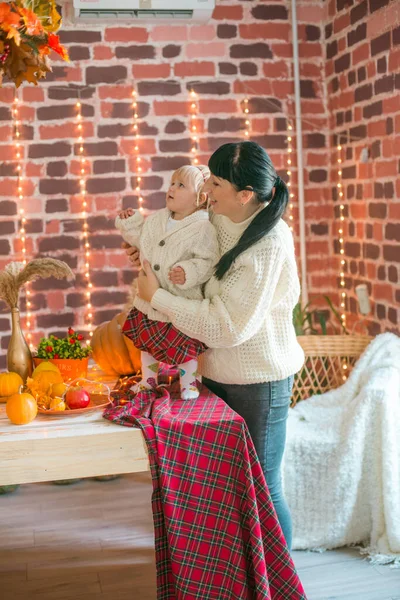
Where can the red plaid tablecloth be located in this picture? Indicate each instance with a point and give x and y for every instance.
(216, 532)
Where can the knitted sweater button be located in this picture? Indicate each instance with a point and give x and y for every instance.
(162, 243)
(156, 267)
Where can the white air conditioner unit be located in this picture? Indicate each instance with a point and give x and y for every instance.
(142, 11)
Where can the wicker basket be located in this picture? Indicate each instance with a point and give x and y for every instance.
(328, 362)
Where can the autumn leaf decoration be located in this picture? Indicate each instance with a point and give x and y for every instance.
(27, 36)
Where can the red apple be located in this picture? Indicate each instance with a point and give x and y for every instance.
(77, 397)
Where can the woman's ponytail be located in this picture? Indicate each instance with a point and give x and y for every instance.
(258, 228)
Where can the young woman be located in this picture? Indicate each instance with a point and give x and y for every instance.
(246, 316)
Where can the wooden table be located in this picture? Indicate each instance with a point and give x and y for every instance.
(68, 447)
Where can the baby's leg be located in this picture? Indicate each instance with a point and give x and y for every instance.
(149, 373)
(188, 372)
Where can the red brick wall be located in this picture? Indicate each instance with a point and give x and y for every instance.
(243, 51)
(363, 83)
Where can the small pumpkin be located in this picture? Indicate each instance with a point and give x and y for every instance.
(9, 384)
(112, 351)
(21, 408)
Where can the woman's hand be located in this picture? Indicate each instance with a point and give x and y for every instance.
(147, 282)
(132, 253)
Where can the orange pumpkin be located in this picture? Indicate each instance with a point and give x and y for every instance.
(112, 351)
(21, 408)
(9, 384)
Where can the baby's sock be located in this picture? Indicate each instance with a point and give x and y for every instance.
(149, 373)
(188, 372)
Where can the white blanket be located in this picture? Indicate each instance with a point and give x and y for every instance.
(342, 460)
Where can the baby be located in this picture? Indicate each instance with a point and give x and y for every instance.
(181, 245)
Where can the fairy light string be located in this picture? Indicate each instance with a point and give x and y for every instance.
(289, 166)
(83, 173)
(247, 123)
(136, 147)
(342, 260)
(194, 126)
(21, 210)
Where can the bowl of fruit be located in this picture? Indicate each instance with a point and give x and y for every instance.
(54, 396)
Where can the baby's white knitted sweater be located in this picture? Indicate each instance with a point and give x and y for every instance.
(246, 318)
(191, 244)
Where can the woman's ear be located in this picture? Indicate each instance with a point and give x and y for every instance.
(245, 196)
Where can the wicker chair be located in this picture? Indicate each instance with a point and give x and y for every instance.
(328, 362)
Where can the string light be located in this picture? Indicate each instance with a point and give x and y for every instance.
(21, 210)
(194, 126)
(247, 123)
(289, 166)
(83, 171)
(342, 266)
(139, 168)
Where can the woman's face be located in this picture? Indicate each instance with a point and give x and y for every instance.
(223, 197)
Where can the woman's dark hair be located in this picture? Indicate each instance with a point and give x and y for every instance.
(247, 166)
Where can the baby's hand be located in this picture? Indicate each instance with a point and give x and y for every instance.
(125, 214)
(177, 276)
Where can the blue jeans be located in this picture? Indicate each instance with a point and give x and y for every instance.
(264, 407)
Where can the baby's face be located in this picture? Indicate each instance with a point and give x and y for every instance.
(181, 197)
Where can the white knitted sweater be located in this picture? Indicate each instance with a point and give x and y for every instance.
(246, 318)
(191, 244)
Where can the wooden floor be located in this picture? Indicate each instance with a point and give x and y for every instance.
(94, 541)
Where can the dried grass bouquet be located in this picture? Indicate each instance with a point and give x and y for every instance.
(16, 274)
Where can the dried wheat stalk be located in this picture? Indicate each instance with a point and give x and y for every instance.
(15, 275)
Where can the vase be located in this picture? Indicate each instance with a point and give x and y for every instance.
(19, 357)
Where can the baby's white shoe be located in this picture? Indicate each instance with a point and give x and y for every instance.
(190, 393)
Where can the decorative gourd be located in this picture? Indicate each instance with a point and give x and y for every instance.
(9, 384)
(21, 408)
(112, 351)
